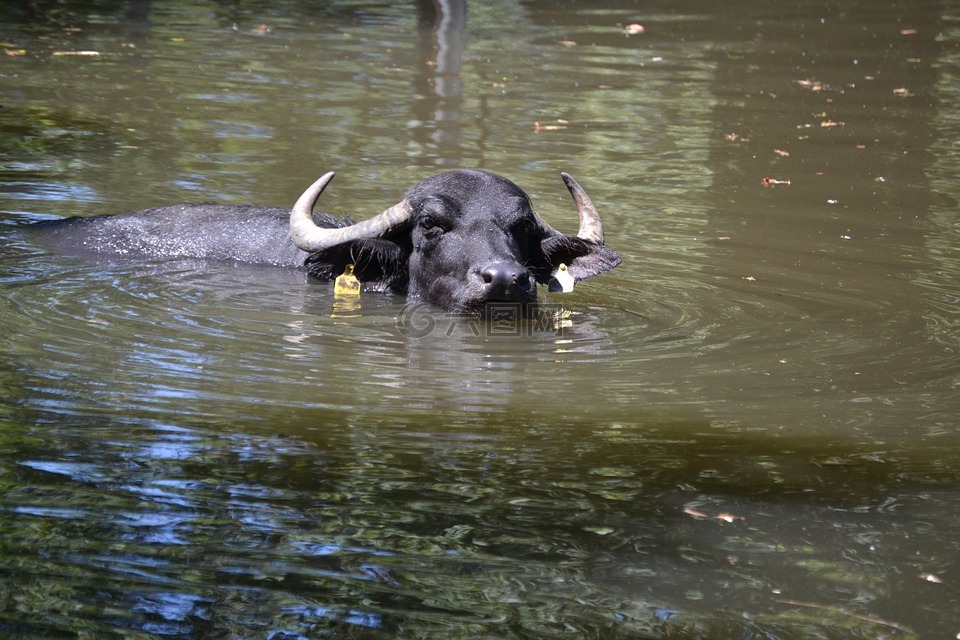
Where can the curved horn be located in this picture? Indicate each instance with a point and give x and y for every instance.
(311, 238)
(590, 226)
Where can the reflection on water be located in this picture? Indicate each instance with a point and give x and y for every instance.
(746, 430)
(183, 531)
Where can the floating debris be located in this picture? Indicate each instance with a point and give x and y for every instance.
(774, 182)
(723, 517)
(816, 85)
(550, 127)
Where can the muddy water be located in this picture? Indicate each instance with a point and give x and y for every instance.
(746, 430)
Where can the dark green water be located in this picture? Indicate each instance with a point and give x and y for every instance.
(747, 430)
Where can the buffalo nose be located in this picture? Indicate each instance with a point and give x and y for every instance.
(505, 280)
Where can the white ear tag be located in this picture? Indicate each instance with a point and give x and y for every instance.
(561, 280)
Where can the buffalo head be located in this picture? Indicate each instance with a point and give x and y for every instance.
(459, 240)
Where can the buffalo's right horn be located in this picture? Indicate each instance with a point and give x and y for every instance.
(311, 238)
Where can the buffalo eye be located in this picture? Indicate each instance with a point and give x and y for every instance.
(432, 220)
(431, 228)
(523, 226)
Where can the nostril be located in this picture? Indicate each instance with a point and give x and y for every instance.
(522, 278)
(505, 274)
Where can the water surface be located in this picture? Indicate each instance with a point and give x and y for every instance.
(746, 430)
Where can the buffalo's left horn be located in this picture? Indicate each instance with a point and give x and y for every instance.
(311, 238)
(590, 226)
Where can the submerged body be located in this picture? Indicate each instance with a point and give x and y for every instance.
(245, 233)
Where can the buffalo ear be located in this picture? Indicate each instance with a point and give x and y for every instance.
(584, 258)
(380, 265)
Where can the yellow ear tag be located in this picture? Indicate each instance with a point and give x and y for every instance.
(561, 280)
(346, 283)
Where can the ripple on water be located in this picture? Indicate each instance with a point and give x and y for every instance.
(203, 340)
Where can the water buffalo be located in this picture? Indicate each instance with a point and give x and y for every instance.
(459, 240)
